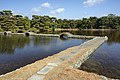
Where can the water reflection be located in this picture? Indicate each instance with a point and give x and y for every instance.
(9, 43)
(38, 41)
(114, 36)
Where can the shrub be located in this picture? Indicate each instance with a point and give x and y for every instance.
(33, 30)
(1, 29)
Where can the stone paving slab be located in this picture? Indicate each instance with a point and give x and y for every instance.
(45, 70)
(36, 77)
(52, 64)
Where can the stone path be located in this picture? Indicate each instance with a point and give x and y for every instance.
(93, 44)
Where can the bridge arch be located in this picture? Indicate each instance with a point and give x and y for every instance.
(65, 35)
(7, 32)
(29, 33)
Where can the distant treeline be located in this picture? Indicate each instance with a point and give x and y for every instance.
(18, 23)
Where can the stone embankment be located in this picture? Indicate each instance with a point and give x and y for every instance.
(49, 35)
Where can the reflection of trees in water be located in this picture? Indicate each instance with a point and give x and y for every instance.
(37, 40)
(93, 33)
(114, 36)
(9, 43)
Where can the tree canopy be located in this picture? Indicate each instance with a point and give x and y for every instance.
(16, 23)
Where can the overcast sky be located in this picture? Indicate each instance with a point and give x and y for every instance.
(69, 9)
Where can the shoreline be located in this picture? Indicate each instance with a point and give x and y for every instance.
(72, 30)
(66, 29)
(85, 29)
(98, 29)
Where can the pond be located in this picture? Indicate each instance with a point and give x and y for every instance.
(18, 50)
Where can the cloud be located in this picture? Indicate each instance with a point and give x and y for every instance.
(37, 9)
(90, 3)
(51, 15)
(46, 9)
(58, 11)
(46, 5)
(18, 13)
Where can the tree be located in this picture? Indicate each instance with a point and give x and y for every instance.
(26, 23)
(93, 21)
(7, 12)
(9, 21)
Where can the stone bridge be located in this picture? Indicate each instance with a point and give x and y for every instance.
(7, 32)
(65, 35)
(29, 33)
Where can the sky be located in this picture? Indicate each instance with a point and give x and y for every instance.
(64, 9)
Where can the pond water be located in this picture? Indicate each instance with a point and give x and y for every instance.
(17, 50)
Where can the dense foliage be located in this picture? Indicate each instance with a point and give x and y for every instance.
(18, 23)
